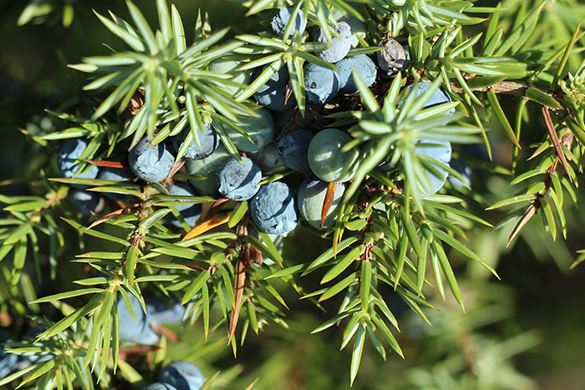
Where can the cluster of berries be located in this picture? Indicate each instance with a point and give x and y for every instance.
(273, 139)
(321, 84)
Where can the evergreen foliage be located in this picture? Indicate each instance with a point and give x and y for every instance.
(507, 70)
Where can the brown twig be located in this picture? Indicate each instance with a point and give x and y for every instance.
(244, 261)
(555, 140)
(536, 204)
(503, 87)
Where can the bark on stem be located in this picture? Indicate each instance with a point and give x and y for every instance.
(503, 87)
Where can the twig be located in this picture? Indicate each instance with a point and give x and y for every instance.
(503, 87)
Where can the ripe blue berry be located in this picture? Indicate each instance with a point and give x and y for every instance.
(190, 212)
(183, 375)
(273, 209)
(339, 46)
(150, 162)
(282, 18)
(69, 163)
(87, 202)
(161, 313)
(311, 197)
(160, 386)
(208, 139)
(326, 159)
(358, 27)
(115, 174)
(294, 147)
(273, 94)
(321, 84)
(237, 181)
(439, 97)
(363, 65)
(130, 330)
(439, 151)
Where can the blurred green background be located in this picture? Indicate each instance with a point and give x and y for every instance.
(526, 331)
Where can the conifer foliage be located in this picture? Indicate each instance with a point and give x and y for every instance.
(366, 124)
